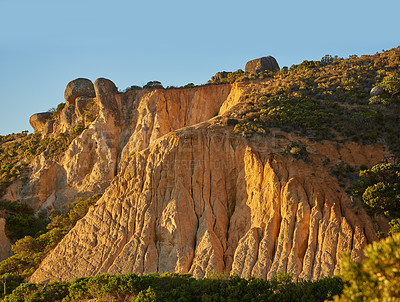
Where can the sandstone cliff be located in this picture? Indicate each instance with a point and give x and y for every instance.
(183, 193)
(124, 124)
(200, 199)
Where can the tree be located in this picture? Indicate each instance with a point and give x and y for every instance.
(377, 277)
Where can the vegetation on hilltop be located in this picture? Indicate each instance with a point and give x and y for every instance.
(328, 99)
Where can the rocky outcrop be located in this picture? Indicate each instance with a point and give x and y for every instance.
(262, 64)
(76, 88)
(201, 199)
(125, 123)
(38, 121)
(183, 193)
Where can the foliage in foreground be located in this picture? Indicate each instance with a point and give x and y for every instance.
(377, 278)
(178, 287)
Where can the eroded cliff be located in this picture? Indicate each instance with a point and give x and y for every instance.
(184, 192)
(124, 123)
(202, 199)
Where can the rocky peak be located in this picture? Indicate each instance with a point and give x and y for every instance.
(76, 88)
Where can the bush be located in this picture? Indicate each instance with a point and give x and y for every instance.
(377, 277)
(382, 197)
(21, 221)
(12, 280)
(394, 226)
(391, 84)
(179, 287)
(153, 85)
(379, 188)
(77, 130)
(297, 150)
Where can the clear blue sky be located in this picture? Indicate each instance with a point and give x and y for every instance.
(46, 44)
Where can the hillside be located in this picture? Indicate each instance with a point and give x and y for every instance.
(249, 174)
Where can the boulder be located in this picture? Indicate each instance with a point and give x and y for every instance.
(376, 91)
(76, 88)
(105, 93)
(38, 120)
(262, 64)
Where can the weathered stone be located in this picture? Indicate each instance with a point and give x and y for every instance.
(376, 91)
(262, 64)
(81, 103)
(76, 88)
(39, 120)
(105, 94)
(183, 193)
(197, 201)
(48, 128)
(67, 116)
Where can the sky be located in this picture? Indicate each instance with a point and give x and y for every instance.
(46, 44)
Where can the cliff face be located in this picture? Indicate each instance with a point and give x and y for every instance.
(183, 193)
(198, 201)
(125, 123)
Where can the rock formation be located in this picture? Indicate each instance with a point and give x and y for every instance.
(200, 199)
(76, 88)
(262, 64)
(124, 123)
(184, 193)
(38, 121)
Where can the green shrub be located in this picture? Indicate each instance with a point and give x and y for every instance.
(327, 59)
(21, 221)
(379, 188)
(51, 292)
(153, 85)
(133, 87)
(382, 197)
(180, 287)
(297, 150)
(394, 226)
(377, 277)
(148, 295)
(77, 130)
(391, 84)
(56, 111)
(12, 280)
